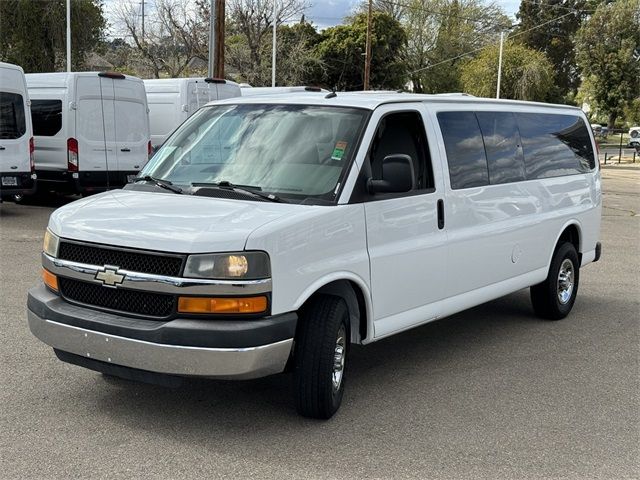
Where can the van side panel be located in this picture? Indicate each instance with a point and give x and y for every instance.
(503, 231)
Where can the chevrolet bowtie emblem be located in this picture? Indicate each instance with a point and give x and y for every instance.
(110, 276)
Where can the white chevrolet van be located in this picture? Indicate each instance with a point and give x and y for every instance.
(173, 100)
(267, 235)
(17, 175)
(91, 129)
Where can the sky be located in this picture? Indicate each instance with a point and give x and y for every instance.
(330, 12)
(326, 13)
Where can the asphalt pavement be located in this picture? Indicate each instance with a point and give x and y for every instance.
(490, 393)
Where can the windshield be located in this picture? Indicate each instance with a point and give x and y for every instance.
(293, 151)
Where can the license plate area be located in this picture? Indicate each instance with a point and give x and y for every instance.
(9, 182)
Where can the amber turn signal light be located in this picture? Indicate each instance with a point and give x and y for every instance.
(50, 280)
(222, 305)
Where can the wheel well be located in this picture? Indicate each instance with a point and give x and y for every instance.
(571, 234)
(353, 296)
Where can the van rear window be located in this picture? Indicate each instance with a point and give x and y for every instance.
(46, 116)
(465, 150)
(555, 145)
(12, 121)
(503, 147)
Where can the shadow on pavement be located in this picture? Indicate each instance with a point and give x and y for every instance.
(459, 341)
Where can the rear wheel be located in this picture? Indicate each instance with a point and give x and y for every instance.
(553, 299)
(321, 346)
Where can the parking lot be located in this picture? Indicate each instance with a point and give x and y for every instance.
(489, 393)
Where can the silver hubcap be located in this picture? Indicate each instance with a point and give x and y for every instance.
(565, 281)
(339, 354)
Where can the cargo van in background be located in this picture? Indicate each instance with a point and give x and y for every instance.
(16, 134)
(173, 100)
(91, 129)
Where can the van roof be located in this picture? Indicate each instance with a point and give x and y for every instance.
(251, 91)
(370, 100)
(58, 79)
(10, 66)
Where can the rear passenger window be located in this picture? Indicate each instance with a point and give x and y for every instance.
(555, 145)
(12, 121)
(46, 116)
(465, 149)
(502, 146)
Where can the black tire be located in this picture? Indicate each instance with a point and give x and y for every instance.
(546, 296)
(317, 336)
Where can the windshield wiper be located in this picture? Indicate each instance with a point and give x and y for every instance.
(166, 184)
(248, 189)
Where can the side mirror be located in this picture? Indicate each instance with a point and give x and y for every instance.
(397, 175)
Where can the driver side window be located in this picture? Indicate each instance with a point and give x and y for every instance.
(403, 133)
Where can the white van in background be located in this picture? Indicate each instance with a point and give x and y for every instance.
(91, 129)
(16, 134)
(173, 100)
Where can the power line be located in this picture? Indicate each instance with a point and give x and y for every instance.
(556, 5)
(440, 13)
(428, 67)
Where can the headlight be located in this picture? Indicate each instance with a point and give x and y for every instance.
(229, 266)
(51, 242)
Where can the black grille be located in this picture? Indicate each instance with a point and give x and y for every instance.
(128, 301)
(126, 259)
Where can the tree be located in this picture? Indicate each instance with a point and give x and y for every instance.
(441, 34)
(249, 25)
(33, 33)
(175, 34)
(526, 74)
(298, 60)
(555, 39)
(342, 50)
(608, 53)
(298, 63)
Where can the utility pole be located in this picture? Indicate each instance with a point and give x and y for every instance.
(367, 53)
(212, 37)
(142, 3)
(68, 35)
(218, 64)
(273, 46)
(500, 65)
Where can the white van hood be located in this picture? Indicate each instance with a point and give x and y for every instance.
(165, 221)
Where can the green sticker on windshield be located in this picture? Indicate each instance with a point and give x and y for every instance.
(338, 151)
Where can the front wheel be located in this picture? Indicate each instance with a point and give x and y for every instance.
(553, 299)
(321, 346)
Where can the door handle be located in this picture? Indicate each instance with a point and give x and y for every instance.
(125, 149)
(2, 148)
(440, 214)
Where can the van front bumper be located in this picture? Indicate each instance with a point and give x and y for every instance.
(229, 349)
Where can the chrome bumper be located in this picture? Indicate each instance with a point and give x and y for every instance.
(223, 363)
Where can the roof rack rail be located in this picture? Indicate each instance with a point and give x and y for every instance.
(454, 94)
(117, 75)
